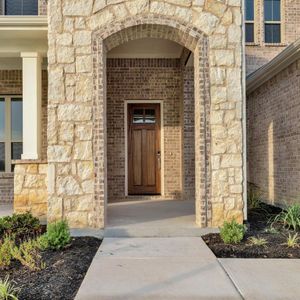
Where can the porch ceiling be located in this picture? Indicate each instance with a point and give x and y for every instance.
(23, 41)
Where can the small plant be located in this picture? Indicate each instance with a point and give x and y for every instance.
(257, 241)
(254, 199)
(271, 230)
(5, 252)
(292, 240)
(28, 255)
(7, 290)
(42, 242)
(58, 235)
(232, 232)
(290, 217)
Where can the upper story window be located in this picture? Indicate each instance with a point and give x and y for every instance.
(21, 7)
(249, 19)
(11, 125)
(272, 19)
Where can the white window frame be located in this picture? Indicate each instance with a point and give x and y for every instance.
(7, 131)
(273, 23)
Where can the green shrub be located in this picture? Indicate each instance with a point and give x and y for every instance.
(28, 255)
(58, 235)
(292, 240)
(5, 252)
(232, 232)
(19, 225)
(257, 241)
(7, 290)
(289, 217)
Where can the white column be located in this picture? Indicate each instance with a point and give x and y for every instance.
(32, 104)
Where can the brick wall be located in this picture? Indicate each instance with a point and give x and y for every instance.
(148, 79)
(188, 133)
(274, 137)
(11, 84)
(6, 187)
(259, 53)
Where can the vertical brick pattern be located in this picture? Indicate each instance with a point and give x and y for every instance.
(259, 53)
(143, 79)
(11, 84)
(273, 137)
(188, 133)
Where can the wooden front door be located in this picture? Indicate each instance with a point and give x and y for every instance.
(144, 154)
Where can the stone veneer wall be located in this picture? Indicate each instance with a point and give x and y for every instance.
(80, 33)
(11, 84)
(144, 79)
(30, 188)
(274, 137)
(259, 53)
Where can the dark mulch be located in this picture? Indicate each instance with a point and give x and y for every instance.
(61, 278)
(258, 226)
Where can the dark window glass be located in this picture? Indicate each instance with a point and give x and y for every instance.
(272, 33)
(276, 10)
(250, 10)
(150, 116)
(21, 7)
(2, 119)
(16, 119)
(272, 10)
(249, 33)
(138, 116)
(16, 152)
(2, 157)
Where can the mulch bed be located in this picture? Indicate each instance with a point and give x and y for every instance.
(258, 226)
(62, 276)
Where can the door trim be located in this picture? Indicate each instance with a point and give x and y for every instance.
(160, 102)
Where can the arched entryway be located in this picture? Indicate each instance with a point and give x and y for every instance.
(106, 39)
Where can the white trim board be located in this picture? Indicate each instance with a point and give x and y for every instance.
(162, 173)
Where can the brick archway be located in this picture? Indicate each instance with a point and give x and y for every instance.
(105, 39)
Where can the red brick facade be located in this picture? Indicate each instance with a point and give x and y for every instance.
(152, 79)
(274, 137)
(259, 53)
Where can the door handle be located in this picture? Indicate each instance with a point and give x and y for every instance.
(158, 159)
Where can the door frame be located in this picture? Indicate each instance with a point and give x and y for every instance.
(160, 102)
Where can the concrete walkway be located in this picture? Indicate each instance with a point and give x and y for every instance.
(156, 268)
(153, 218)
(5, 210)
(267, 279)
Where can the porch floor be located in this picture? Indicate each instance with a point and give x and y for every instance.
(153, 218)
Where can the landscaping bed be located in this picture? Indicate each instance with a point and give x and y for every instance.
(42, 263)
(260, 226)
(62, 276)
